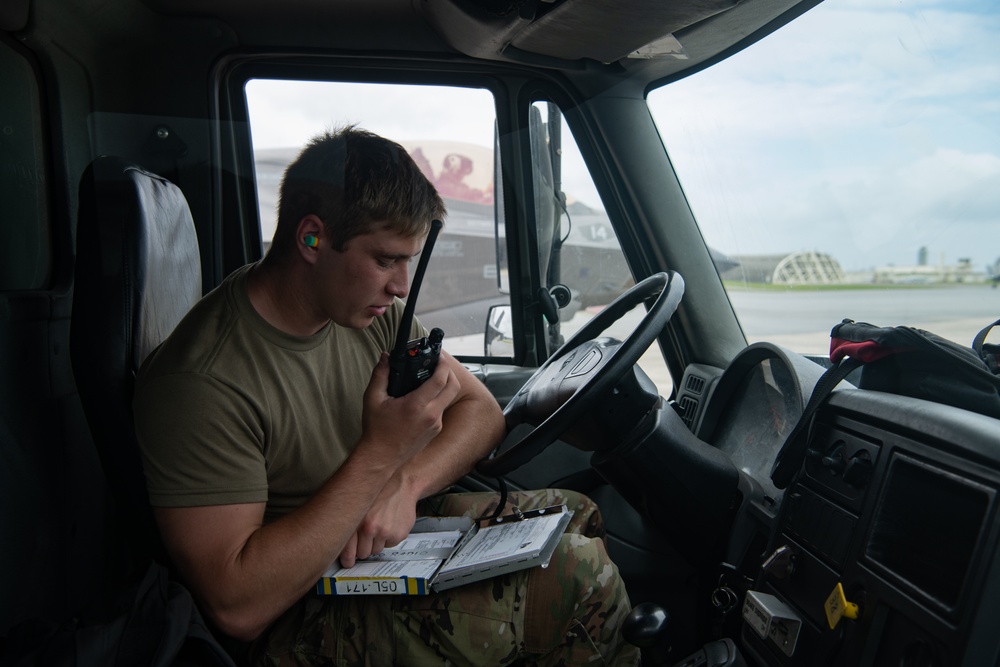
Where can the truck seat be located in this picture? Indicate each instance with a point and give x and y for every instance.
(138, 271)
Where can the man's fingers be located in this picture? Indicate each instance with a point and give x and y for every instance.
(443, 386)
(380, 374)
(367, 545)
(451, 388)
(364, 547)
(349, 555)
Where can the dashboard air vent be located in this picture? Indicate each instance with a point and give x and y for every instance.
(689, 408)
(695, 384)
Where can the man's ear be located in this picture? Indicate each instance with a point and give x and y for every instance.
(310, 236)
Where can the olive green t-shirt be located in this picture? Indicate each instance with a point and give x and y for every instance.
(230, 409)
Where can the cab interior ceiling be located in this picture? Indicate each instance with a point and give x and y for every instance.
(574, 36)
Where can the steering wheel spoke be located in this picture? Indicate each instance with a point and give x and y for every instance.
(566, 385)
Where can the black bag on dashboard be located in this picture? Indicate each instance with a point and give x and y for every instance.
(905, 361)
(917, 363)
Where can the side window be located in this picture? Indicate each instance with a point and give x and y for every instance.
(25, 248)
(449, 132)
(578, 247)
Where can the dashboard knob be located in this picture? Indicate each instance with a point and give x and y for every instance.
(835, 460)
(858, 470)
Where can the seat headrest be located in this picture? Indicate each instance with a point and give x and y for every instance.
(146, 244)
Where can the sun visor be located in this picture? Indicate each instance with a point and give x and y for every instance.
(607, 32)
(564, 31)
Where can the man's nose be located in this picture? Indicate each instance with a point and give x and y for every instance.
(399, 284)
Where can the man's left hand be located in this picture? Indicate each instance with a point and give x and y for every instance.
(387, 523)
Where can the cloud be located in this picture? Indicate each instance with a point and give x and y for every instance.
(865, 129)
(867, 146)
(307, 108)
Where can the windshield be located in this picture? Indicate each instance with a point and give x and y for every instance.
(848, 166)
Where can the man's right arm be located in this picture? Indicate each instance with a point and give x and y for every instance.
(245, 573)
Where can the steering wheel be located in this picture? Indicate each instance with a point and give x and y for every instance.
(565, 387)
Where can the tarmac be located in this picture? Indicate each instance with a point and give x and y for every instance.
(801, 320)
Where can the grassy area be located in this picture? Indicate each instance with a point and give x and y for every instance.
(738, 286)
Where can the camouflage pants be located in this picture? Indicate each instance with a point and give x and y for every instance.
(566, 614)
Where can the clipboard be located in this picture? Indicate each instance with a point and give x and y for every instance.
(509, 543)
(483, 550)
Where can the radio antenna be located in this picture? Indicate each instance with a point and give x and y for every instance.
(403, 334)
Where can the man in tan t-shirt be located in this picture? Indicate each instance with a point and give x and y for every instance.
(272, 448)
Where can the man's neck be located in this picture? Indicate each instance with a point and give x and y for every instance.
(275, 294)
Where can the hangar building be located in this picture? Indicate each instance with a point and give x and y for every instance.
(800, 268)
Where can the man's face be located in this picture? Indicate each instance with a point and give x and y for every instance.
(361, 282)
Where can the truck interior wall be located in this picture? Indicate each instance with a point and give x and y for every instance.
(59, 548)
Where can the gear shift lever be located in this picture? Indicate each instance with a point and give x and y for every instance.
(646, 625)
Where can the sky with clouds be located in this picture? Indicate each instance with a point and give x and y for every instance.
(866, 130)
(863, 129)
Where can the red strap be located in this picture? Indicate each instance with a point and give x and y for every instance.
(867, 351)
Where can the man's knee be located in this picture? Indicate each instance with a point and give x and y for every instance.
(579, 590)
(587, 519)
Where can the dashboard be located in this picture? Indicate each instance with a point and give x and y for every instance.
(883, 548)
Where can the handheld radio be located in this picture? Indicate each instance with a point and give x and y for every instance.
(412, 362)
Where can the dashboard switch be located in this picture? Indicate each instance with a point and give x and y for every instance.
(837, 607)
(781, 563)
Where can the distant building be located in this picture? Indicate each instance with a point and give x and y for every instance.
(817, 268)
(800, 268)
(962, 272)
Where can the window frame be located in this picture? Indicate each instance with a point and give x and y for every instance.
(514, 93)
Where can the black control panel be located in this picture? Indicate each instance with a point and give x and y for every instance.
(885, 548)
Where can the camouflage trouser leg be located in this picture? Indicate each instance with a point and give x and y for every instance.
(566, 614)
